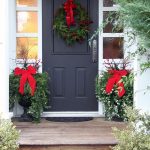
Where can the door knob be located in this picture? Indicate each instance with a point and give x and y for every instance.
(94, 51)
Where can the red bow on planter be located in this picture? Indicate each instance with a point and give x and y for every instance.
(26, 75)
(68, 7)
(115, 79)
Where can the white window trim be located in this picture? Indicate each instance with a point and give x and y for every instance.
(28, 8)
(114, 8)
(12, 26)
(27, 35)
(112, 34)
(40, 32)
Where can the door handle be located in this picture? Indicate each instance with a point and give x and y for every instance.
(94, 51)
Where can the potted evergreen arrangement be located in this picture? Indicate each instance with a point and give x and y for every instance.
(114, 88)
(29, 88)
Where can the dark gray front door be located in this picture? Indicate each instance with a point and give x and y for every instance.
(70, 68)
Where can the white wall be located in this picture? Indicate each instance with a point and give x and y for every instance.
(142, 94)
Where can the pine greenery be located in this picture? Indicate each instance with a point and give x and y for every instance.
(114, 106)
(135, 15)
(38, 101)
(76, 33)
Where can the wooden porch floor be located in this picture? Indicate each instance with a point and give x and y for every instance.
(97, 132)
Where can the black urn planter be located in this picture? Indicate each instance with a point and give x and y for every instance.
(25, 103)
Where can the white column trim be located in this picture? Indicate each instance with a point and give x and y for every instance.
(100, 54)
(4, 58)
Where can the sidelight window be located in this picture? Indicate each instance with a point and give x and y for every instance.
(27, 29)
(112, 38)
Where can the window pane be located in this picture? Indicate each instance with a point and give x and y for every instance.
(112, 48)
(27, 22)
(25, 3)
(27, 48)
(108, 3)
(114, 26)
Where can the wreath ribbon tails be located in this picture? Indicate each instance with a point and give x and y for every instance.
(115, 79)
(26, 76)
(68, 7)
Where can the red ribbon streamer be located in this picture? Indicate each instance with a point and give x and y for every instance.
(26, 75)
(115, 80)
(68, 7)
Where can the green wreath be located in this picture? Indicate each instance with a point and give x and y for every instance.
(77, 33)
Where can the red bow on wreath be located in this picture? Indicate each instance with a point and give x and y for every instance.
(115, 79)
(68, 7)
(26, 75)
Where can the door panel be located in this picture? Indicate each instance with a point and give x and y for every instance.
(70, 68)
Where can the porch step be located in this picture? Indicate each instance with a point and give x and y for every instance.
(89, 135)
(73, 147)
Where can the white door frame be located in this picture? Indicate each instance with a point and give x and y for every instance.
(17, 110)
(100, 111)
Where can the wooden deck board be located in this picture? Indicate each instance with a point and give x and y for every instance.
(65, 148)
(94, 132)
